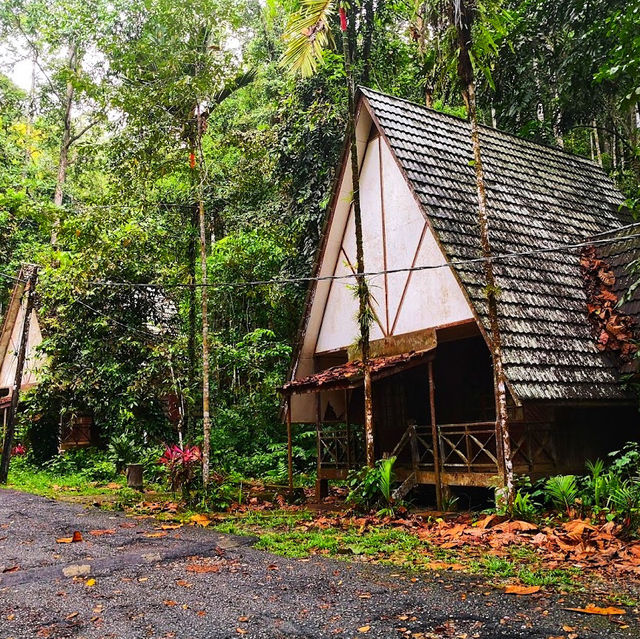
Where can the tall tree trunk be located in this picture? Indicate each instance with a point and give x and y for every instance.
(192, 251)
(465, 72)
(596, 137)
(362, 285)
(65, 143)
(367, 40)
(206, 415)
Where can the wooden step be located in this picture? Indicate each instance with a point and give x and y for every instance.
(405, 487)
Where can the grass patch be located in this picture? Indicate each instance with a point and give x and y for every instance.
(47, 484)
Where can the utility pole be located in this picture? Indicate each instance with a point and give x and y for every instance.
(31, 271)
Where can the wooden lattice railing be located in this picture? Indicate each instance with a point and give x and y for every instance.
(341, 447)
(466, 448)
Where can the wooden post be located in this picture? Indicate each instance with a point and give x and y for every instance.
(347, 426)
(322, 485)
(289, 446)
(434, 437)
(22, 355)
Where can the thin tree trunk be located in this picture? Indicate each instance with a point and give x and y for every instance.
(191, 277)
(465, 73)
(502, 420)
(206, 417)
(30, 290)
(367, 39)
(362, 285)
(65, 143)
(596, 137)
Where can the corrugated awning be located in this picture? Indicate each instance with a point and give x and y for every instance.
(351, 375)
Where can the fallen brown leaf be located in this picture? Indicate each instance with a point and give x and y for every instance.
(11, 569)
(200, 519)
(521, 590)
(170, 603)
(99, 533)
(201, 568)
(155, 534)
(364, 628)
(590, 609)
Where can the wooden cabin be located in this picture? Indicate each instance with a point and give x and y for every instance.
(430, 361)
(10, 337)
(75, 430)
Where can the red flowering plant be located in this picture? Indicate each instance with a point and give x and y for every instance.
(18, 450)
(183, 465)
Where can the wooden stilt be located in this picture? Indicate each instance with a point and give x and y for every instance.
(322, 484)
(434, 437)
(289, 446)
(347, 425)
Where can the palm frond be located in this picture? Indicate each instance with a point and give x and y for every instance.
(234, 84)
(307, 35)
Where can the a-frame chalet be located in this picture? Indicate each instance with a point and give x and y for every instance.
(430, 364)
(10, 337)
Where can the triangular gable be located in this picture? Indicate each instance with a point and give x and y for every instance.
(396, 236)
(10, 337)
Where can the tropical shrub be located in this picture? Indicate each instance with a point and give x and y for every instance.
(182, 465)
(123, 449)
(371, 488)
(562, 491)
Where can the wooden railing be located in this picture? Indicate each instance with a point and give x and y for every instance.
(341, 447)
(467, 448)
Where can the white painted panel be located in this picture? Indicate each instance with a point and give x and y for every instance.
(433, 297)
(339, 325)
(34, 361)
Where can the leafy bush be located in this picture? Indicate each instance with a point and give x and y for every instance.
(221, 492)
(370, 488)
(89, 462)
(123, 450)
(100, 471)
(562, 491)
(182, 465)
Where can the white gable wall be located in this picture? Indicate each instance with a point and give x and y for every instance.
(34, 361)
(396, 236)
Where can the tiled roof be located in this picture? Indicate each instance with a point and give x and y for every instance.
(537, 197)
(350, 374)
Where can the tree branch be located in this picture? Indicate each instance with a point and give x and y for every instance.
(77, 136)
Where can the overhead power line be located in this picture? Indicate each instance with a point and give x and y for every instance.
(501, 257)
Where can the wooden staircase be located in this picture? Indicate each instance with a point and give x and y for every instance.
(405, 487)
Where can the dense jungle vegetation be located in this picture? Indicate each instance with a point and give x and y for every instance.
(139, 110)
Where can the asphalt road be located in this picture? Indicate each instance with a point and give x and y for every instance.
(194, 583)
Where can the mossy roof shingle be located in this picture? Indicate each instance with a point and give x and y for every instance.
(538, 197)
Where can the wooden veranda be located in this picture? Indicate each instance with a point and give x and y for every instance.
(440, 454)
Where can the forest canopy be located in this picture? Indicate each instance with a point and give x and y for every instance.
(122, 122)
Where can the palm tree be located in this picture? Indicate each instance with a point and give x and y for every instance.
(307, 35)
(454, 20)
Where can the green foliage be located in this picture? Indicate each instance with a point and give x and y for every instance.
(123, 449)
(524, 506)
(562, 491)
(90, 463)
(371, 488)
